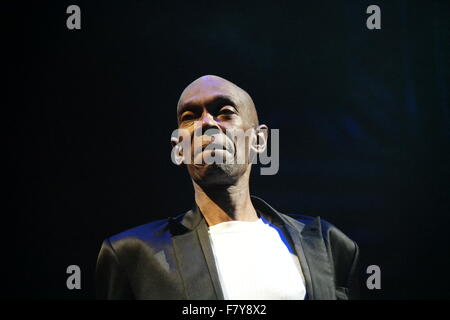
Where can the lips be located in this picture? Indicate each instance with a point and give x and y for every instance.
(212, 146)
(216, 142)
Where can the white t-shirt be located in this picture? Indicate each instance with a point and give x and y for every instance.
(255, 262)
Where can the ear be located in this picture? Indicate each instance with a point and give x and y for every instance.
(177, 151)
(259, 144)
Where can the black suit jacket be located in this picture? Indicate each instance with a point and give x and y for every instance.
(173, 258)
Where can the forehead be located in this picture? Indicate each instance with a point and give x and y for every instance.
(204, 90)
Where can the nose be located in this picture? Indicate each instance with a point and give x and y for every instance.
(207, 121)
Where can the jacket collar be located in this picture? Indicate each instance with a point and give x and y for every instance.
(197, 264)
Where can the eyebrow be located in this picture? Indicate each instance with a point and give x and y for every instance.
(215, 101)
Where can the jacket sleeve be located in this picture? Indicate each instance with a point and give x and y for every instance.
(111, 282)
(353, 279)
(345, 257)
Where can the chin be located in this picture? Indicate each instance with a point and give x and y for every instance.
(217, 174)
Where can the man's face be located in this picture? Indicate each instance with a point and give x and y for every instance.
(210, 110)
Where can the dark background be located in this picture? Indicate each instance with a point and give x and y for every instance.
(363, 118)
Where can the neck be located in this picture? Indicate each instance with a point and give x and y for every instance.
(226, 203)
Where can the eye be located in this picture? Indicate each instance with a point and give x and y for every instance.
(227, 111)
(188, 115)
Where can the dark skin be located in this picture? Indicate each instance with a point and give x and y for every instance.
(221, 190)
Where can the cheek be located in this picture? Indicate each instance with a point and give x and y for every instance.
(233, 124)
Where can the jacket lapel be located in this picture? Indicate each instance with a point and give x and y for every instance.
(296, 236)
(205, 243)
(197, 266)
(195, 258)
(310, 249)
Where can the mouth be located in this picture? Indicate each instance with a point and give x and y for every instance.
(213, 145)
(210, 147)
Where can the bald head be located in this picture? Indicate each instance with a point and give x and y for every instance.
(208, 89)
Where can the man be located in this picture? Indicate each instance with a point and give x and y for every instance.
(230, 245)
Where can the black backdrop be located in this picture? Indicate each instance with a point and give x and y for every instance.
(363, 118)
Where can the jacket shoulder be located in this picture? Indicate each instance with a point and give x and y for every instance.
(343, 251)
(330, 232)
(122, 256)
(300, 217)
(149, 233)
